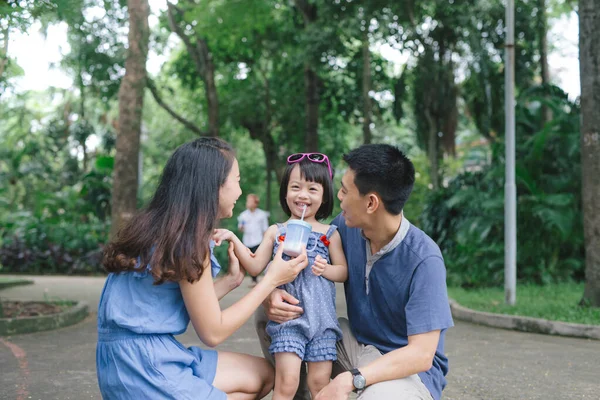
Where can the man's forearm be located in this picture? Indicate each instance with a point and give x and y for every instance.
(395, 365)
(416, 357)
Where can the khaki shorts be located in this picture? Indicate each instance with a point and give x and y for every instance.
(351, 354)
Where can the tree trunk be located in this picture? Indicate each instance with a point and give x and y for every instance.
(271, 162)
(211, 89)
(311, 142)
(82, 110)
(311, 83)
(366, 87)
(4, 52)
(131, 101)
(432, 151)
(202, 58)
(543, 43)
(589, 67)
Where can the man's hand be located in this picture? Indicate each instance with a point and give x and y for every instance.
(319, 266)
(279, 306)
(338, 389)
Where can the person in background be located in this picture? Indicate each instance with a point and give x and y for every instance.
(253, 223)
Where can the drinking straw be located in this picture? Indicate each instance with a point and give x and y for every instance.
(303, 211)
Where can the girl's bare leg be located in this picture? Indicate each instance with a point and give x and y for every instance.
(287, 375)
(318, 376)
(254, 376)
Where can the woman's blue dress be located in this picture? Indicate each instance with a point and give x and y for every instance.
(137, 356)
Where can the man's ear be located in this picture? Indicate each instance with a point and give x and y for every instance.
(374, 203)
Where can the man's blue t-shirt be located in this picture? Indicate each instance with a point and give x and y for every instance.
(406, 295)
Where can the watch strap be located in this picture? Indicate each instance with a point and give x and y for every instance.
(355, 372)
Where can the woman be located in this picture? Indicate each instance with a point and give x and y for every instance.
(161, 277)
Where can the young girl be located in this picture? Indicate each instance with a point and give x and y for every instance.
(306, 184)
(161, 276)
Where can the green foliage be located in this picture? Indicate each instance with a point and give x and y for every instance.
(466, 217)
(53, 209)
(50, 245)
(57, 148)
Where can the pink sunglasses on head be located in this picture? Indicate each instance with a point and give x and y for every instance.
(314, 157)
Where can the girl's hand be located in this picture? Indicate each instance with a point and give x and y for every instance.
(281, 272)
(221, 235)
(319, 266)
(234, 271)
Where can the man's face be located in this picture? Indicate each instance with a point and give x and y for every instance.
(353, 204)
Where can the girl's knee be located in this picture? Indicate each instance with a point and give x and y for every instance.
(318, 375)
(316, 383)
(286, 383)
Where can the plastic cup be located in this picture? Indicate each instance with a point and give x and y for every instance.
(296, 237)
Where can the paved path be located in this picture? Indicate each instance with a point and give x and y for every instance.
(485, 363)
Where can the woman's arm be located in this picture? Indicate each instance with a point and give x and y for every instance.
(337, 271)
(211, 324)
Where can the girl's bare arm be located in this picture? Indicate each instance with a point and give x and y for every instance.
(256, 263)
(337, 271)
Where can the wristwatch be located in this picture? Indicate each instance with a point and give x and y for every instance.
(358, 380)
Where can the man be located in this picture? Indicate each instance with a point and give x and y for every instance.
(253, 223)
(398, 310)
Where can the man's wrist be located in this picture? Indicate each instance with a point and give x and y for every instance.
(358, 380)
(347, 379)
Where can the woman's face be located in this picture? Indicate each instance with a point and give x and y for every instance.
(230, 191)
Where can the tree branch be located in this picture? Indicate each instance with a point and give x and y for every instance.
(309, 11)
(4, 53)
(188, 124)
(196, 52)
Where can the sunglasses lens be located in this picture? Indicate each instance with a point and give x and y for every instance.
(295, 157)
(316, 157)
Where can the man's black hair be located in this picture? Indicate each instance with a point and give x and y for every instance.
(385, 170)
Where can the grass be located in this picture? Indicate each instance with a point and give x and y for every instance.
(557, 302)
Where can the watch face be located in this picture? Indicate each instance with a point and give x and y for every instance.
(359, 381)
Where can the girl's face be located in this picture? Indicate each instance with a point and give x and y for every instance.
(301, 192)
(230, 191)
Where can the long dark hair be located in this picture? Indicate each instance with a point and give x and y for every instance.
(173, 232)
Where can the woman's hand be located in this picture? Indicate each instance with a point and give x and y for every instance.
(281, 272)
(234, 271)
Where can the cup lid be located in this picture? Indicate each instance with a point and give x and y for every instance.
(301, 223)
